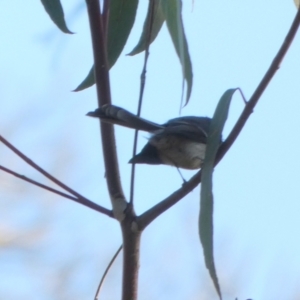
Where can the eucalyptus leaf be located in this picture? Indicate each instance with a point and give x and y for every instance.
(172, 12)
(88, 81)
(121, 19)
(56, 13)
(206, 196)
(157, 22)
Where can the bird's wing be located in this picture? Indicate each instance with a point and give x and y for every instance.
(192, 128)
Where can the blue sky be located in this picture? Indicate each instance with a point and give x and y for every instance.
(256, 186)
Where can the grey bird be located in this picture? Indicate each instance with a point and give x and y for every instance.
(180, 142)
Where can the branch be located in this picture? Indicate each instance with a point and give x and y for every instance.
(104, 97)
(131, 252)
(105, 16)
(142, 88)
(38, 168)
(147, 217)
(150, 215)
(106, 272)
(130, 238)
(261, 88)
(82, 201)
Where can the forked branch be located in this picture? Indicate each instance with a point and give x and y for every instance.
(78, 198)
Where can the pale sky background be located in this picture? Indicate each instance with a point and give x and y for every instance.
(53, 248)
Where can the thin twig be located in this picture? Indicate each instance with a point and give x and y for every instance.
(106, 271)
(142, 87)
(82, 201)
(105, 17)
(38, 168)
(147, 217)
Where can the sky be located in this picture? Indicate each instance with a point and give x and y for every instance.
(53, 248)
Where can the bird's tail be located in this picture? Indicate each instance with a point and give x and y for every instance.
(120, 116)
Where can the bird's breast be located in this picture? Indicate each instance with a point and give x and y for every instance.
(179, 152)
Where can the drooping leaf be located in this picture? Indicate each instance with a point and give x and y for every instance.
(172, 13)
(120, 21)
(157, 19)
(206, 197)
(56, 13)
(88, 81)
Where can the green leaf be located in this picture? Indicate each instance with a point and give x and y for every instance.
(56, 13)
(121, 19)
(157, 19)
(206, 197)
(172, 12)
(87, 82)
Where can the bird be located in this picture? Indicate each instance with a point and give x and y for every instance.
(180, 142)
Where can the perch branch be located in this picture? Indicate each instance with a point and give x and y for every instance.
(147, 217)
